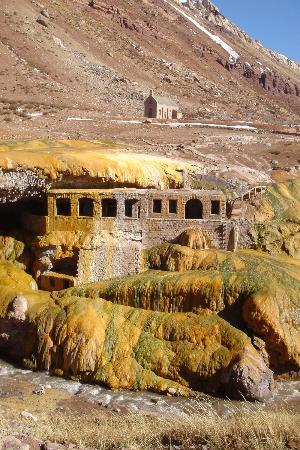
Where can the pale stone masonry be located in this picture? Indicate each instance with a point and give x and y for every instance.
(156, 107)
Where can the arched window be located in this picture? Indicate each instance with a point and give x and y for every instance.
(193, 209)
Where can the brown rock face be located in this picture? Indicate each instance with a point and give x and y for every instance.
(17, 338)
(267, 79)
(274, 316)
(248, 377)
(12, 443)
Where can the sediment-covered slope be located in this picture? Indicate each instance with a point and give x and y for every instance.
(274, 223)
(29, 168)
(121, 347)
(281, 203)
(254, 291)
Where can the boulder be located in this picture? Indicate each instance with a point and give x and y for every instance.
(248, 377)
(45, 13)
(40, 20)
(193, 238)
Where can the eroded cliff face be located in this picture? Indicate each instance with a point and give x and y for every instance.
(260, 74)
(212, 14)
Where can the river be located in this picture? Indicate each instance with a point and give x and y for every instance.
(285, 393)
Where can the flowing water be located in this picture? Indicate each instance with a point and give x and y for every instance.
(285, 394)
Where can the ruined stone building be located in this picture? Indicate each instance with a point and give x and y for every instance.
(161, 108)
(91, 235)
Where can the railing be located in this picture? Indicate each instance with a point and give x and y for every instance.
(256, 191)
(252, 193)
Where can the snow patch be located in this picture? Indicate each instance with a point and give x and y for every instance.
(234, 56)
(58, 42)
(128, 121)
(78, 118)
(212, 125)
(35, 114)
(193, 124)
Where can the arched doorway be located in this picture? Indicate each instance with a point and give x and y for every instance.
(193, 209)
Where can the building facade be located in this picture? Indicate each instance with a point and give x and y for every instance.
(118, 224)
(156, 107)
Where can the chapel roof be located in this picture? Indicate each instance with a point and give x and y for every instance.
(163, 100)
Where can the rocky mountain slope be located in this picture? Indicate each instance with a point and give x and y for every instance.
(65, 55)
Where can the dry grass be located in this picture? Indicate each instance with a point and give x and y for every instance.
(203, 428)
(260, 430)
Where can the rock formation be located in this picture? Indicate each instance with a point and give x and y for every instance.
(183, 325)
(122, 347)
(255, 292)
(193, 238)
(18, 308)
(274, 225)
(29, 169)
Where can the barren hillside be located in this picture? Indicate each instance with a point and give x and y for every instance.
(72, 71)
(64, 54)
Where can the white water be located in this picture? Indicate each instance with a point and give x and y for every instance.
(285, 393)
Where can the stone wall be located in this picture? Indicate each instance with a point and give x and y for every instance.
(145, 210)
(161, 231)
(117, 253)
(119, 223)
(110, 255)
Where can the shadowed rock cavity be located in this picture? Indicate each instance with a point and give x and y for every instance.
(17, 336)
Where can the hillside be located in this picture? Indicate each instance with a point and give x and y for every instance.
(65, 56)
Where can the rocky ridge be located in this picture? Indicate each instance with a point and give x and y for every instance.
(211, 13)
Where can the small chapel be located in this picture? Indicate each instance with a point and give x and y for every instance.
(157, 107)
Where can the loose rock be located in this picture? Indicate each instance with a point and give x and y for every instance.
(41, 21)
